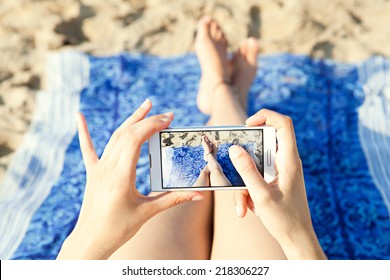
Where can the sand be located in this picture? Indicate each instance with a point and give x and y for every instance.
(180, 139)
(344, 30)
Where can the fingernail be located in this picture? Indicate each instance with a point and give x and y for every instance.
(234, 151)
(238, 211)
(250, 119)
(167, 116)
(146, 103)
(197, 198)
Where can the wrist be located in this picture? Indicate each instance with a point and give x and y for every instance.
(79, 247)
(302, 245)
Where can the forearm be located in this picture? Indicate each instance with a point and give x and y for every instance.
(80, 248)
(302, 245)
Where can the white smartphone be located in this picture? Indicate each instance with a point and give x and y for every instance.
(197, 158)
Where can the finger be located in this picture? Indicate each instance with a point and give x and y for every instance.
(87, 149)
(283, 124)
(129, 147)
(240, 201)
(137, 116)
(167, 200)
(246, 167)
(250, 205)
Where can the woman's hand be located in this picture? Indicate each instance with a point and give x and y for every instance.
(113, 210)
(281, 204)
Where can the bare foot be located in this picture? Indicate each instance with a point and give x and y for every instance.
(207, 147)
(215, 148)
(244, 68)
(211, 50)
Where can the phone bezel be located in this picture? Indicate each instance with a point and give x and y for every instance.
(269, 151)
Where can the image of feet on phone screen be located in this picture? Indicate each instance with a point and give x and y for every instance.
(201, 158)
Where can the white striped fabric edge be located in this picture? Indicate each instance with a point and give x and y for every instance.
(38, 162)
(374, 122)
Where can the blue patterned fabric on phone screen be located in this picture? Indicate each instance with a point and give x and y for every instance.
(182, 165)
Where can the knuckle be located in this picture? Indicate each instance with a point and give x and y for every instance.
(134, 138)
(248, 168)
(288, 120)
(266, 198)
(178, 200)
(153, 123)
(116, 135)
(156, 118)
(263, 200)
(263, 111)
(240, 195)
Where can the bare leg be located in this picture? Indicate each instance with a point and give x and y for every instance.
(182, 232)
(245, 67)
(203, 178)
(234, 238)
(217, 177)
(208, 52)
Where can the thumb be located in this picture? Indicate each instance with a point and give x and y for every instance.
(167, 200)
(246, 167)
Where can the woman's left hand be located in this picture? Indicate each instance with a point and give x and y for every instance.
(113, 210)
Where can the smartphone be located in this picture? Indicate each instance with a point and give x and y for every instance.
(197, 158)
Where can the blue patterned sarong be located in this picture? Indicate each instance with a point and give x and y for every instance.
(341, 118)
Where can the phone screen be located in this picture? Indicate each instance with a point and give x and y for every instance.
(201, 158)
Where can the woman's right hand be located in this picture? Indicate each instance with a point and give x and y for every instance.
(281, 204)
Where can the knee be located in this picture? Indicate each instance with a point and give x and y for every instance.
(204, 172)
(215, 168)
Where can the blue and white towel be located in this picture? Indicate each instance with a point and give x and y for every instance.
(340, 113)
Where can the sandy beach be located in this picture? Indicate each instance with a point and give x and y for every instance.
(343, 30)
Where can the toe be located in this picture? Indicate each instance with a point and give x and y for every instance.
(243, 48)
(238, 55)
(218, 35)
(230, 67)
(224, 40)
(213, 29)
(203, 29)
(252, 50)
(215, 148)
(206, 141)
(206, 18)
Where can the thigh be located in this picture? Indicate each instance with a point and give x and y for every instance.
(240, 238)
(218, 178)
(181, 232)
